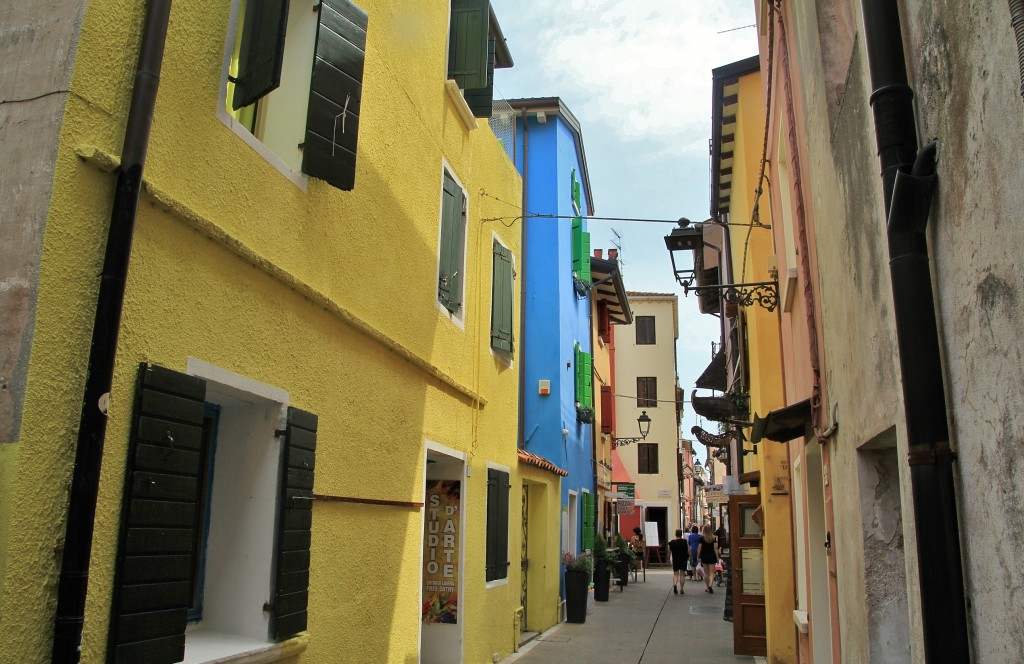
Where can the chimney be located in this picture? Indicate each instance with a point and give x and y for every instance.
(613, 254)
(598, 253)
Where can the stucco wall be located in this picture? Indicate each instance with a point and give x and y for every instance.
(327, 295)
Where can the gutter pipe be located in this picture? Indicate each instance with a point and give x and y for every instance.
(908, 180)
(522, 285)
(73, 583)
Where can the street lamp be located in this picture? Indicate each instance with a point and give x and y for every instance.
(644, 422)
(687, 238)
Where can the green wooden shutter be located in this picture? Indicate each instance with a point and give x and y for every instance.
(261, 51)
(589, 519)
(577, 242)
(467, 43)
(584, 271)
(492, 525)
(501, 555)
(335, 95)
(481, 100)
(497, 524)
(590, 380)
(501, 299)
(449, 287)
(574, 192)
(294, 520)
(578, 367)
(153, 573)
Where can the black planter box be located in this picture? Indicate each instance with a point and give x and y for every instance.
(602, 579)
(576, 585)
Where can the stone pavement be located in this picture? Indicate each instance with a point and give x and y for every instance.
(645, 624)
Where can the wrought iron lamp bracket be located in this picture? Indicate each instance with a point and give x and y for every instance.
(762, 293)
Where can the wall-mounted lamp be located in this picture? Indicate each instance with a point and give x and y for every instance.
(644, 422)
(689, 237)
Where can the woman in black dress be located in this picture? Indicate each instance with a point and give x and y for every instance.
(707, 554)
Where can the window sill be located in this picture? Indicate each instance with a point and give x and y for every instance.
(219, 648)
(461, 107)
(497, 583)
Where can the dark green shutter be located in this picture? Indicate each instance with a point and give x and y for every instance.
(335, 95)
(577, 364)
(153, 574)
(584, 261)
(294, 520)
(501, 299)
(588, 380)
(497, 524)
(261, 51)
(481, 100)
(467, 43)
(449, 279)
(574, 192)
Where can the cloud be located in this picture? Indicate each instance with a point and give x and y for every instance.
(641, 69)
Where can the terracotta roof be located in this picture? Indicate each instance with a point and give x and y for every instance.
(648, 294)
(541, 462)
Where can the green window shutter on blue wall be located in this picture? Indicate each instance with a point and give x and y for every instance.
(467, 43)
(584, 378)
(589, 519)
(580, 250)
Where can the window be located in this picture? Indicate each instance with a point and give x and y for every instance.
(178, 451)
(502, 337)
(497, 524)
(647, 458)
(300, 96)
(604, 323)
(453, 243)
(476, 47)
(646, 392)
(644, 330)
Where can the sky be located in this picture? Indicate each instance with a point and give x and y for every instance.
(637, 76)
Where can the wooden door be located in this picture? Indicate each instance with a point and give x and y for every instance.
(747, 548)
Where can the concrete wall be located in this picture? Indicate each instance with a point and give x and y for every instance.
(962, 65)
(327, 296)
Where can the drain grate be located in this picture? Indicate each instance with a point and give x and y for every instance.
(705, 610)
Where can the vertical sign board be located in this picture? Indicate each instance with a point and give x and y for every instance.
(441, 552)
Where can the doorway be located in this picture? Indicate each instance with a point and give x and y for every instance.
(750, 634)
(441, 587)
(659, 516)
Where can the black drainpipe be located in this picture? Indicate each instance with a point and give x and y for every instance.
(908, 180)
(74, 574)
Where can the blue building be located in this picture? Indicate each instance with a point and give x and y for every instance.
(558, 399)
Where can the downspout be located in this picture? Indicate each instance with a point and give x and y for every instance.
(522, 285)
(74, 575)
(908, 179)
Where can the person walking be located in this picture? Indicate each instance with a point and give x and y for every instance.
(707, 554)
(693, 538)
(680, 551)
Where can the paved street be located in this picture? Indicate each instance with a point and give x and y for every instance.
(645, 624)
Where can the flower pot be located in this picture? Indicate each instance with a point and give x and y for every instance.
(602, 579)
(576, 585)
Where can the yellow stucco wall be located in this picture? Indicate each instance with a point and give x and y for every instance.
(328, 295)
(765, 372)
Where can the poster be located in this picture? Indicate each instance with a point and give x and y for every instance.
(441, 552)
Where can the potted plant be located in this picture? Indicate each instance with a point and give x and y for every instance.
(577, 583)
(625, 560)
(602, 569)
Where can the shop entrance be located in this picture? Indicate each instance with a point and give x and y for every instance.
(441, 633)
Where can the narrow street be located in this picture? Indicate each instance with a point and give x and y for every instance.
(644, 624)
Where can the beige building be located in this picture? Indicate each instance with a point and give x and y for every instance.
(645, 380)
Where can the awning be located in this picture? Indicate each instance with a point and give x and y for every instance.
(608, 286)
(718, 409)
(714, 377)
(784, 424)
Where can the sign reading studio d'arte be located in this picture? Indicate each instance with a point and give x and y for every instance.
(441, 552)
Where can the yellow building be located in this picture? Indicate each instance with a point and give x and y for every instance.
(308, 451)
(735, 278)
